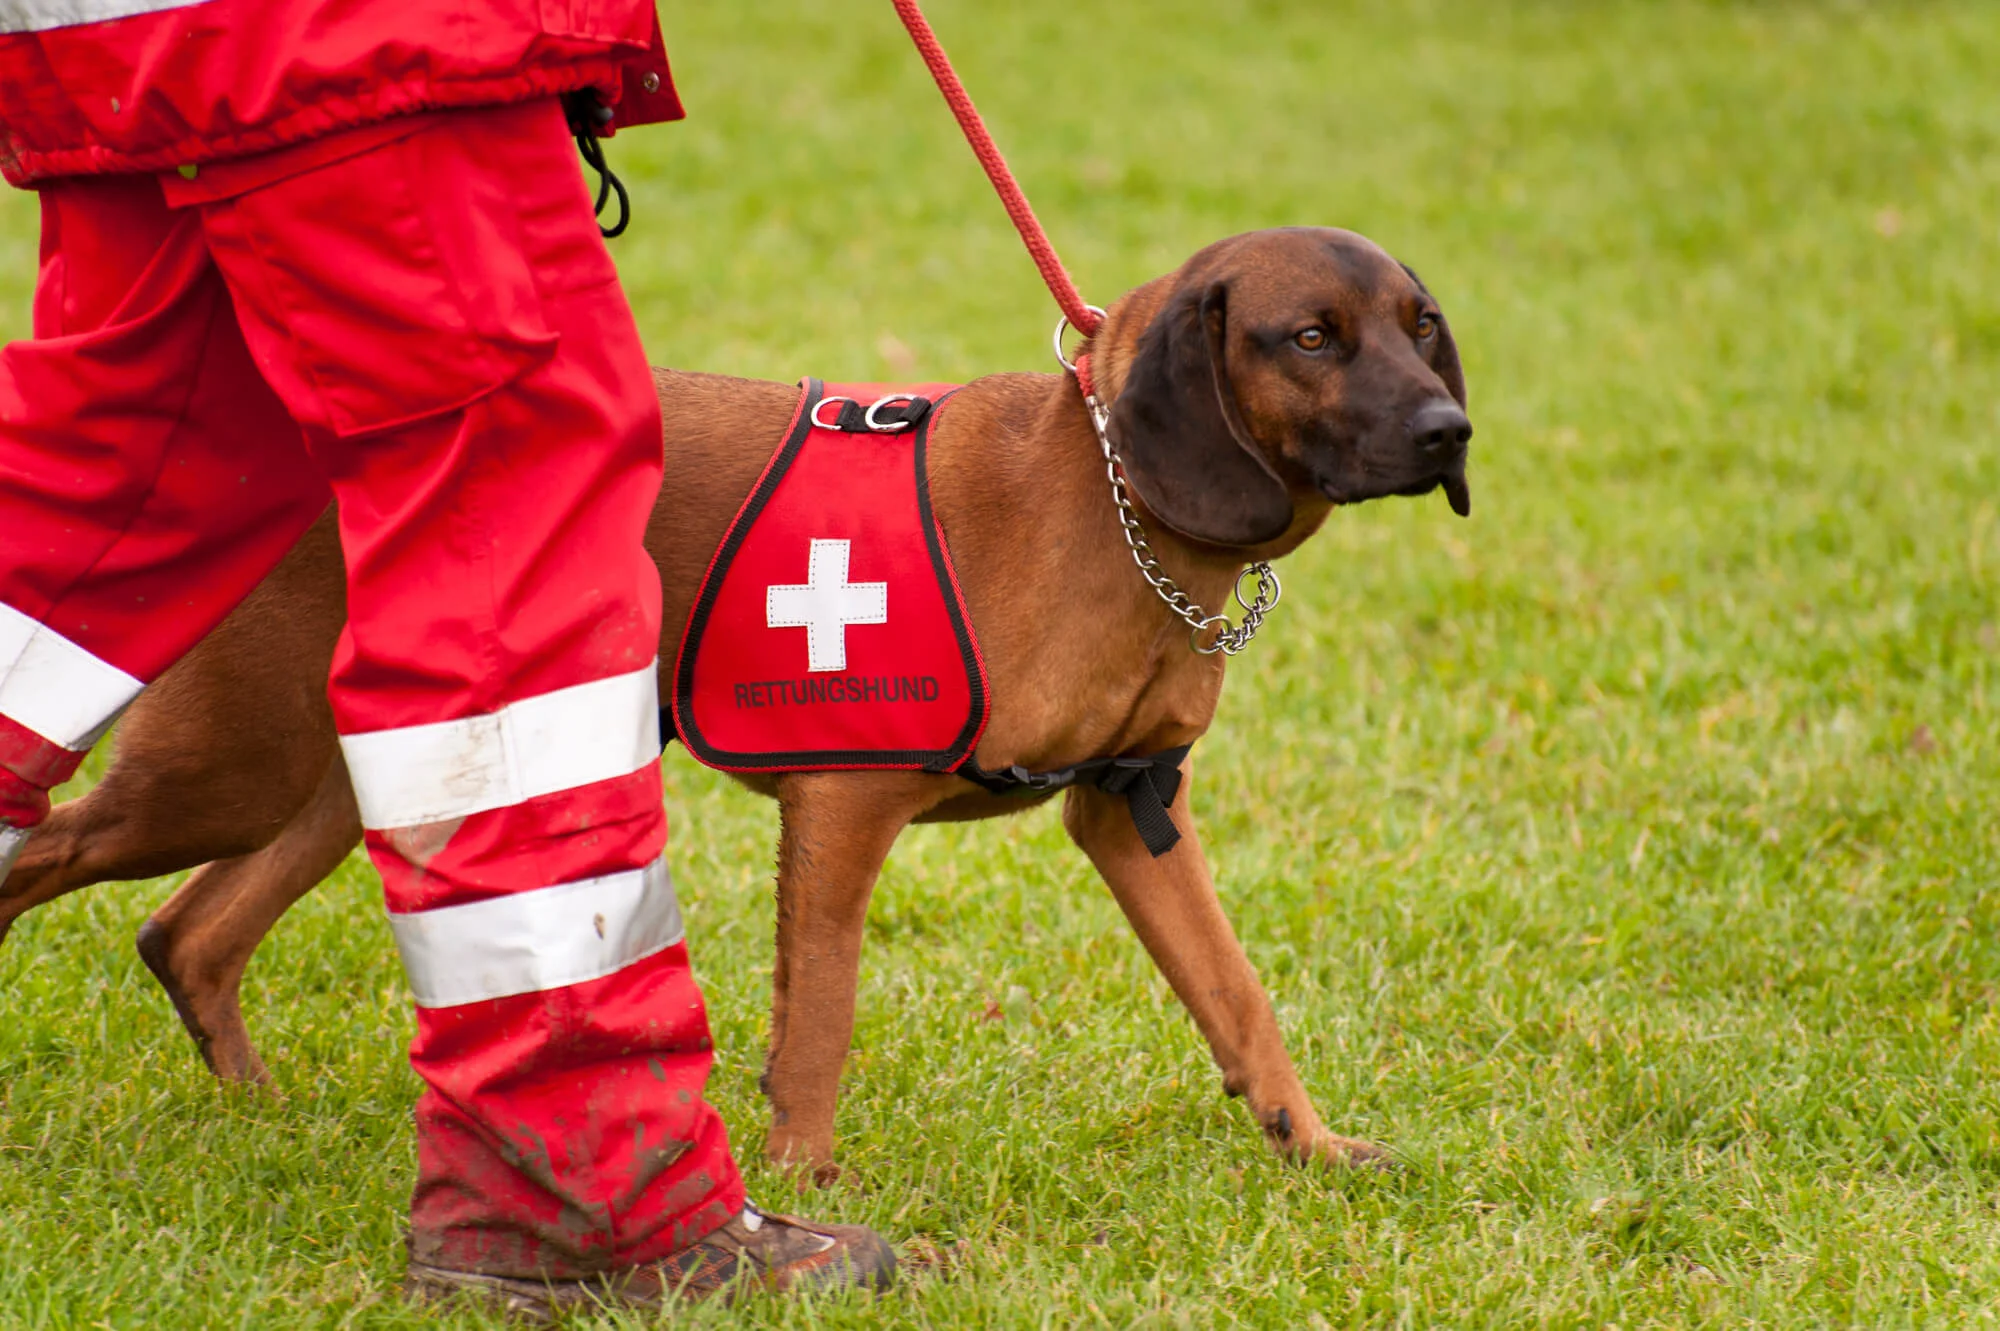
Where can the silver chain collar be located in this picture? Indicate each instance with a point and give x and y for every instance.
(1229, 638)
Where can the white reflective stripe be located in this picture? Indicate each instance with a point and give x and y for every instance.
(11, 841)
(538, 746)
(538, 940)
(54, 687)
(41, 15)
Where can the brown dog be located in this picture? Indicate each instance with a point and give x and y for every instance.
(1276, 375)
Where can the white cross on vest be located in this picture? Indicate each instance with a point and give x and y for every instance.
(825, 605)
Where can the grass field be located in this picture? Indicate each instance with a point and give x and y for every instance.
(1625, 856)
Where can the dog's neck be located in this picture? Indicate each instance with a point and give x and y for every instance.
(1204, 571)
(1100, 664)
(1111, 352)
(1067, 455)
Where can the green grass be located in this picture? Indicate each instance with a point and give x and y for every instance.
(1625, 856)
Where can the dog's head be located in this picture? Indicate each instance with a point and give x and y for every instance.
(1279, 373)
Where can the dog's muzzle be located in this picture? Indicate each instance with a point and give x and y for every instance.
(1440, 432)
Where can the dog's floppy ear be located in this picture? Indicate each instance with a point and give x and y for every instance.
(1444, 357)
(1181, 437)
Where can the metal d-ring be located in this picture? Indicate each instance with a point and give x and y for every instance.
(1194, 635)
(1062, 326)
(892, 427)
(819, 424)
(1267, 580)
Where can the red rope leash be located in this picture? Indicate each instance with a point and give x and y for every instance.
(1079, 314)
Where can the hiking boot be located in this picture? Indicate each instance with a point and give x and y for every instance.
(753, 1251)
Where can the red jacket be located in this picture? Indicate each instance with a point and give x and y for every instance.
(89, 86)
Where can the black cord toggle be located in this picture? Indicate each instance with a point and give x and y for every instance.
(587, 115)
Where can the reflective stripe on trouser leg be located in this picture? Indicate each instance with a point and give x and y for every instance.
(55, 700)
(558, 741)
(533, 941)
(46, 15)
(503, 621)
(54, 687)
(11, 841)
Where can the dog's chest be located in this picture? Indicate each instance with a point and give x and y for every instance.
(829, 632)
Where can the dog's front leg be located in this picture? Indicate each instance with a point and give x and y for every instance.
(1172, 905)
(837, 830)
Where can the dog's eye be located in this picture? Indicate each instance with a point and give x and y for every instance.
(1427, 326)
(1311, 339)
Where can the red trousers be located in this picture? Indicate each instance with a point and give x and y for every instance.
(422, 324)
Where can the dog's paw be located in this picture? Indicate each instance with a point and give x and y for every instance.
(1350, 1153)
(810, 1162)
(1317, 1146)
(809, 1178)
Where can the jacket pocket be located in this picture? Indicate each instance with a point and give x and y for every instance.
(390, 286)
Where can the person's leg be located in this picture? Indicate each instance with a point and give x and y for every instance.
(495, 690)
(148, 478)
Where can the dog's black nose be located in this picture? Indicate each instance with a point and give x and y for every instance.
(1440, 427)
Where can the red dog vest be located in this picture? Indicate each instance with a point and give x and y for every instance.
(829, 632)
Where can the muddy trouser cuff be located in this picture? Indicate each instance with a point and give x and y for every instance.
(11, 841)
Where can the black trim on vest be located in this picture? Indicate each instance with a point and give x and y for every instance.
(1148, 784)
(923, 760)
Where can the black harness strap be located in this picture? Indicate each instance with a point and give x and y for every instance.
(855, 417)
(1148, 784)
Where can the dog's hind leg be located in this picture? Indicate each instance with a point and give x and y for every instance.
(837, 830)
(1172, 905)
(50, 864)
(147, 818)
(198, 943)
(179, 792)
(217, 756)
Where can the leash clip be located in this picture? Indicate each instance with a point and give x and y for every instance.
(1063, 326)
